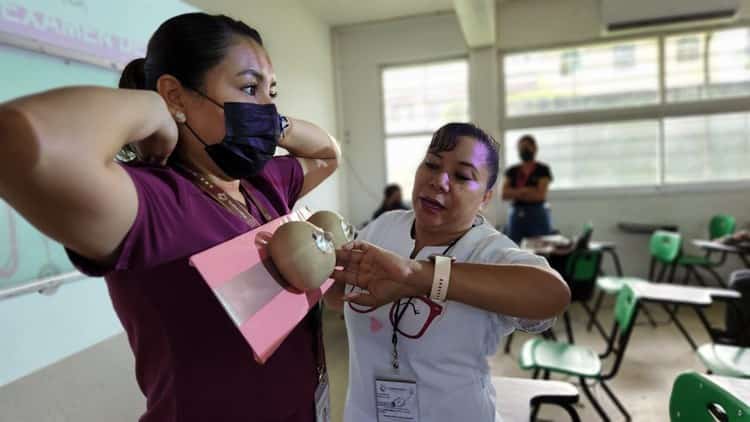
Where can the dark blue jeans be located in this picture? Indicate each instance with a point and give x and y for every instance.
(528, 221)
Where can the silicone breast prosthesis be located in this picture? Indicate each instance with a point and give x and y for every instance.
(331, 222)
(303, 253)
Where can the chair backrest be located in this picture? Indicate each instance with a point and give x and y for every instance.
(721, 225)
(737, 320)
(697, 398)
(665, 246)
(625, 307)
(626, 311)
(582, 241)
(581, 270)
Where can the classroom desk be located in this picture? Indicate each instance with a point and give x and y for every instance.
(518, 397)
(738, 387)
(608, 248)
(559, 245)
(742, 249)
(556, 249)
(694, 297)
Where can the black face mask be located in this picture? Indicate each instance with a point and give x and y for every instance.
(527, 155)
(252, 134)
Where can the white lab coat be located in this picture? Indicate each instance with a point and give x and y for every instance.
(449, 361)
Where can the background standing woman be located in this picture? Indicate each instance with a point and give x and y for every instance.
(526, 185)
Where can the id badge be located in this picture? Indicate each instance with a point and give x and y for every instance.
(323, 401)
(396, 399)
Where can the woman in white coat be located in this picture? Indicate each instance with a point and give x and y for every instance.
(428, 294)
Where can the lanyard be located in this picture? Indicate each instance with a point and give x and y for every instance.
(319, 352)
(222, 198)
(399, 311)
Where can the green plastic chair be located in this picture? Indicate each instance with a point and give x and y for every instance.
(582, 241)
(721, 225)
(664, 248)
(582, 269)
(698, 398)
(666, 254)
(548, 356)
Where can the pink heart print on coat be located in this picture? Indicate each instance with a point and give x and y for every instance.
(375, 325)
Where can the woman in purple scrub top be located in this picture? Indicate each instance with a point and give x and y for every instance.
(200, 117)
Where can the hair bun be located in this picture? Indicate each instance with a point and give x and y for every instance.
(134, 75)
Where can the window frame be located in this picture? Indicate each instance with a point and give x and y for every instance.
(384, 136)
(660, 111)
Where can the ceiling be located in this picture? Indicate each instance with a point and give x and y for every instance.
(344, 12)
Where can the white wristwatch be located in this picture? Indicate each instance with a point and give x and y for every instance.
(441, 277)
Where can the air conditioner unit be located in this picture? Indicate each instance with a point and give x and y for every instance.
(620, 16)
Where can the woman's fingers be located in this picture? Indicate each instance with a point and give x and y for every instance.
(348, 258)
(362, 299)
(345, 276)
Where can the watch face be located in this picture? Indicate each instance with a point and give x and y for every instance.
(432, 257)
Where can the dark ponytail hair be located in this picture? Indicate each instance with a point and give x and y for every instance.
(132, 76)
(186, 47)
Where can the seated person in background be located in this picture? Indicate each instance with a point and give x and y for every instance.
(735, 238)
(526, 185)
(392, 200)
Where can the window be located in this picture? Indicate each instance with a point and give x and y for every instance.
(582, 78)
(570, 62)
(707, 148)
(402, 156)
(596, 155)
(624, 56)
(418, 100)
(630, 130)
(708, 65)
(689, 48)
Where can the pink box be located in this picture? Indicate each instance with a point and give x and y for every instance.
(242, 277)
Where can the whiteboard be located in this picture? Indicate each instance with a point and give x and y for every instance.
(47, 44)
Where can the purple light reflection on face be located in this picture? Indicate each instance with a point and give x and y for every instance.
(441, 178)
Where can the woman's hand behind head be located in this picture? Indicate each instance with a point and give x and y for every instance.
(157, 146)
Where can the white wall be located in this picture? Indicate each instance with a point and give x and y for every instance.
(361, 50)
(543, 22)
(299, 44)
(530, 23)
